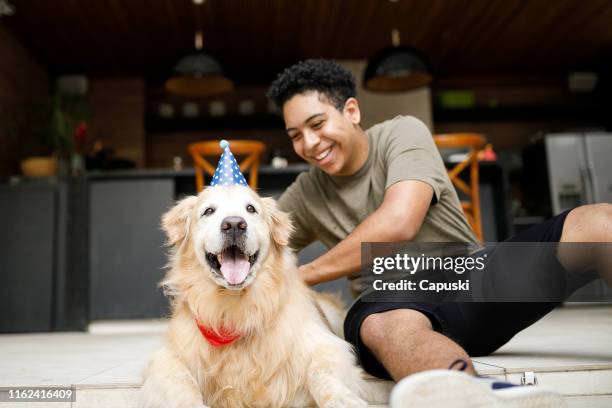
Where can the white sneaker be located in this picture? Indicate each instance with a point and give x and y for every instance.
(450, 388)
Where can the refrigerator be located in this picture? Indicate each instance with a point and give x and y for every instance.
(580, 172)
(579, 168)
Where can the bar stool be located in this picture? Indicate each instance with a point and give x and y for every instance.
(473, 142)
(249, 150)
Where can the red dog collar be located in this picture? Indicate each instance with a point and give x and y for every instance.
(220, 339)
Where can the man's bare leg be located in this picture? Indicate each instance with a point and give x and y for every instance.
(404, 341)
(588, 223)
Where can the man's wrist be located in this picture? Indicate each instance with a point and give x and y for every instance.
(308, 274)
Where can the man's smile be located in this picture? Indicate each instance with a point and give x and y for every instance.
(324, 154)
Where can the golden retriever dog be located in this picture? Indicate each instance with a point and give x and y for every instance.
(245, 331)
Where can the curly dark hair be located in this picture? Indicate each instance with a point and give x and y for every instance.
(327, 77)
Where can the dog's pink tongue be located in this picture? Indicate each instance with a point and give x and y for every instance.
(236, 270)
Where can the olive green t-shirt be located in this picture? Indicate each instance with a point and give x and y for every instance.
(327, 208)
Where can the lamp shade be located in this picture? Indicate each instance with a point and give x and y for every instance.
(198, 74)
(397, 69)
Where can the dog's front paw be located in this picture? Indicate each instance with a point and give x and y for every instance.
(343, 401)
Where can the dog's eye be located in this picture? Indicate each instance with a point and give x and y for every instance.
(208, 211)
(251, 209)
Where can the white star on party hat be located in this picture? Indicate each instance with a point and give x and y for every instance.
(227, 172)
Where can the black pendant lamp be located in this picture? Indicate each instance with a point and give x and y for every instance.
(198, 74)
(397, 69)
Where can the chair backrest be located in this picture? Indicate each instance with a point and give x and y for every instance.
(474, 143)
(249, 150)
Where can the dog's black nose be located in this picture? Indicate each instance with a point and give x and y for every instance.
(235, 225)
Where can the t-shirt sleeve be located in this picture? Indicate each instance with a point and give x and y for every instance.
(411, 154)
(292, 202)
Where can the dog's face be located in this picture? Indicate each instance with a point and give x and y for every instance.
(231, 231)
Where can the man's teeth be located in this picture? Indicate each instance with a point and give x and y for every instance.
(323, 154)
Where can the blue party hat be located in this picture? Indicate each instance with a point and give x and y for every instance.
(227, 172)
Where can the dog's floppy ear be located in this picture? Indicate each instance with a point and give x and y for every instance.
(176, 221)
(279, 222)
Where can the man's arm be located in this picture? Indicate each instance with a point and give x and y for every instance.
(398, 218)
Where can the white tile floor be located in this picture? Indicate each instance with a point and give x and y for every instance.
(570, 351)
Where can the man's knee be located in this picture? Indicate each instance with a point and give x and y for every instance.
(588, 223)
(376, 327)
(602, 214)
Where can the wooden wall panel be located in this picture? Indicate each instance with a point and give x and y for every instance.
(117, 107)
(22, 79)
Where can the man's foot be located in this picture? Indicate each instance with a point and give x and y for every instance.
(449, 388)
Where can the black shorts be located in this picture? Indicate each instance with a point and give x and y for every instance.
(480, 328)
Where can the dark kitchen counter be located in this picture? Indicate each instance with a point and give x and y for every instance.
(187, 172)
(271, 181)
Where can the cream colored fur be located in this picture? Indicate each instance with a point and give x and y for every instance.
(286, 356)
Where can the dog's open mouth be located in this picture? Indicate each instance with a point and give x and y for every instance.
(233, 264)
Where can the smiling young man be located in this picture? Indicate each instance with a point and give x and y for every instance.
(363, 184)
(389, 184)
